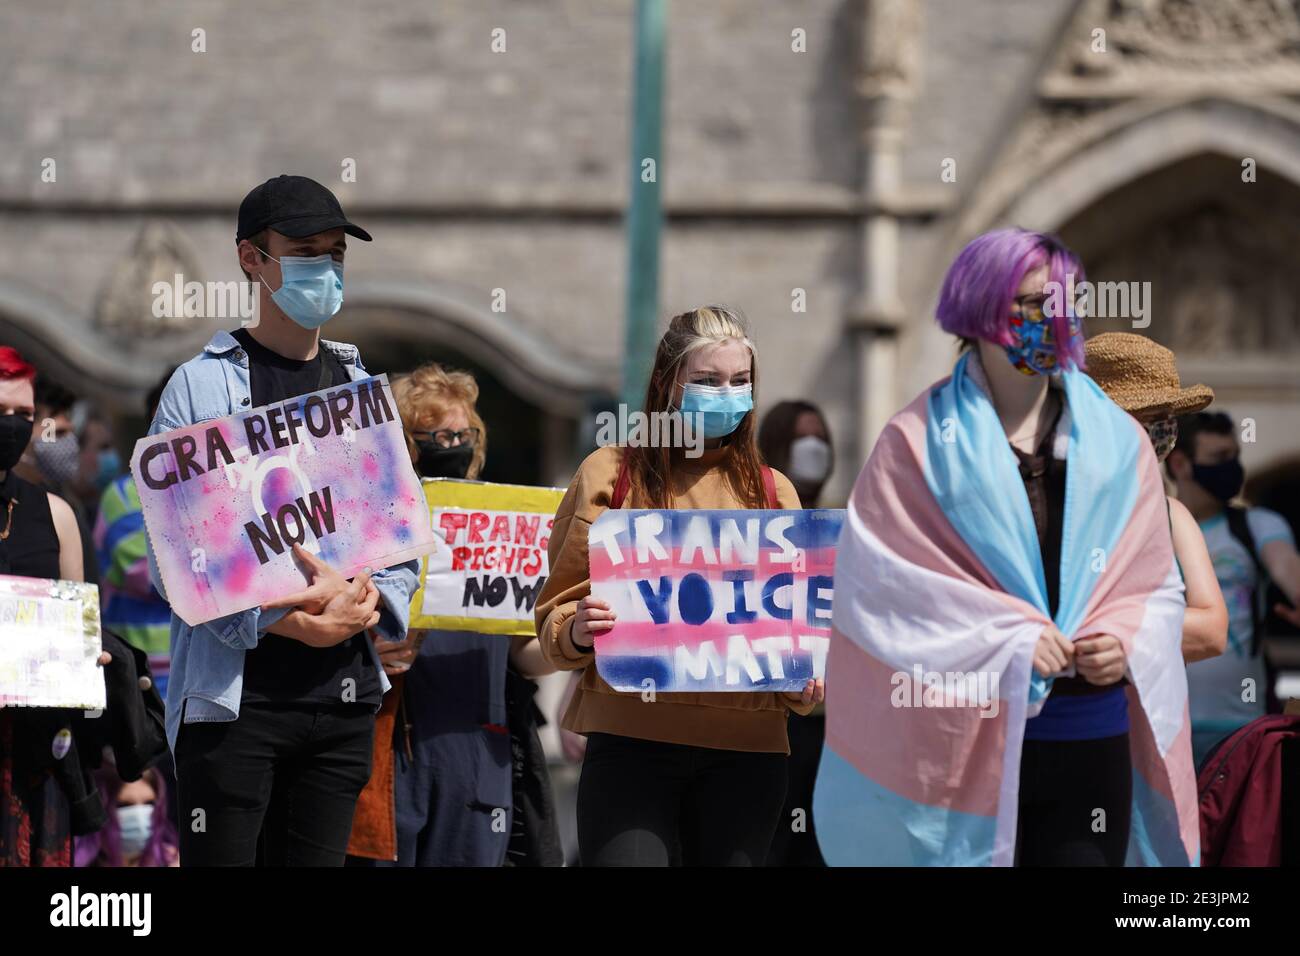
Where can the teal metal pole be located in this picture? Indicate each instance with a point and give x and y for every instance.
(645, 214)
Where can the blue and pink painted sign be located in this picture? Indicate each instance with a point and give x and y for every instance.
(224, 501)
(714, 601)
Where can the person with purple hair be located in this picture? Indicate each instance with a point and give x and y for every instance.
(139, 831)
(1008, 298)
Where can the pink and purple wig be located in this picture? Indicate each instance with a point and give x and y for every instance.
(981, 285)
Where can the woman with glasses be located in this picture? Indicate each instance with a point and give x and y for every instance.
(441, 786)
(1008, 611)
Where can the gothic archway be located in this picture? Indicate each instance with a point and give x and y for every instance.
(533, 395)
(1219, 254)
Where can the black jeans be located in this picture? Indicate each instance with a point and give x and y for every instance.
(645, 803)
(791, 847)
(277, 787)
(1063, 785)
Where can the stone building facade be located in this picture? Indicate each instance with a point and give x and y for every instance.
(836, 153)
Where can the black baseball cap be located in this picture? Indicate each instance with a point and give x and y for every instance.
(293, 206)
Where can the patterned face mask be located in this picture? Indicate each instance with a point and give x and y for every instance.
(58, 460)
(1164, 435)
(1033, 351)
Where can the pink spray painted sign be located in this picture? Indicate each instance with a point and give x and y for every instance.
(225, 500)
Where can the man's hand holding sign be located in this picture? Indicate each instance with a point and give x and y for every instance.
(242, 510)
(331, 610)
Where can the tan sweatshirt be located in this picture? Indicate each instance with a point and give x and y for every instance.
(740, 721)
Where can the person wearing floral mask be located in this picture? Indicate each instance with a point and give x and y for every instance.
(1250, 548)
(1003, 298)
(692, 778)
(1141, 377)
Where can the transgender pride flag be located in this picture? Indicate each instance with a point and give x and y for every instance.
(714, 601)
(939, 573)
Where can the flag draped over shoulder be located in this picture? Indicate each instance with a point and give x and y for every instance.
(939, 581)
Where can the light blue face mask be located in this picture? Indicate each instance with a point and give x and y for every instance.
(110, 466)
(135, 825)
(311, 290)
(724, 407)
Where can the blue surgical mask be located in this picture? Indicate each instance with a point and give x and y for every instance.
(110, 466)
(724, 407)
(135, 826)
(311, 290)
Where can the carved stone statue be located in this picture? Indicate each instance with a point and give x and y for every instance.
(126, 303)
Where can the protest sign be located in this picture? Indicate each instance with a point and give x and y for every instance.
(714, 600)
(225, 500)
(490, 561)
(50, 644)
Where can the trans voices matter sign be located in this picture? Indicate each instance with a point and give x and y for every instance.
(714, 600)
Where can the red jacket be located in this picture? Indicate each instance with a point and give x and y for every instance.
(1241, 795)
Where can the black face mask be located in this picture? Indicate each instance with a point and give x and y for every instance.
(438, 462)
(1223, 480)
(15, 436)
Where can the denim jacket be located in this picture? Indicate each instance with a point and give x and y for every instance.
(207, 665)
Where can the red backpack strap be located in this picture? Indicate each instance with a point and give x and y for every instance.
(620, 486)
(769, 488)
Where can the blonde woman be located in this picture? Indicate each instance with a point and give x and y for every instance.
(692, 777)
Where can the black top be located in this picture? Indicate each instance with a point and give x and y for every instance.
(37, 819)
(280, 669)
(31, 548)
(1044, 478)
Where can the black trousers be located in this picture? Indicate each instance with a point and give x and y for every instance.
(790, 846)
(277, 787)
(645, 803)
(1063, 786)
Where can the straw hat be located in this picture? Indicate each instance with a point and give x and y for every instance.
(1139, 374)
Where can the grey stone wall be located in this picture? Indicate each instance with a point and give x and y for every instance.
(479, 170)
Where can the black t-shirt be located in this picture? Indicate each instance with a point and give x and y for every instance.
(1044, 478)
(31, 546)
(280, 669)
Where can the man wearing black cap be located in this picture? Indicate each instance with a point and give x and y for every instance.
(270, 712)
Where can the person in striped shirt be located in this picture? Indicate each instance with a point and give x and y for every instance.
(130, 607)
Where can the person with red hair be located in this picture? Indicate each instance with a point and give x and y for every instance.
(38, 538)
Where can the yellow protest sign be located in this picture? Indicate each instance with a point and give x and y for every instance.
(490, 562)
